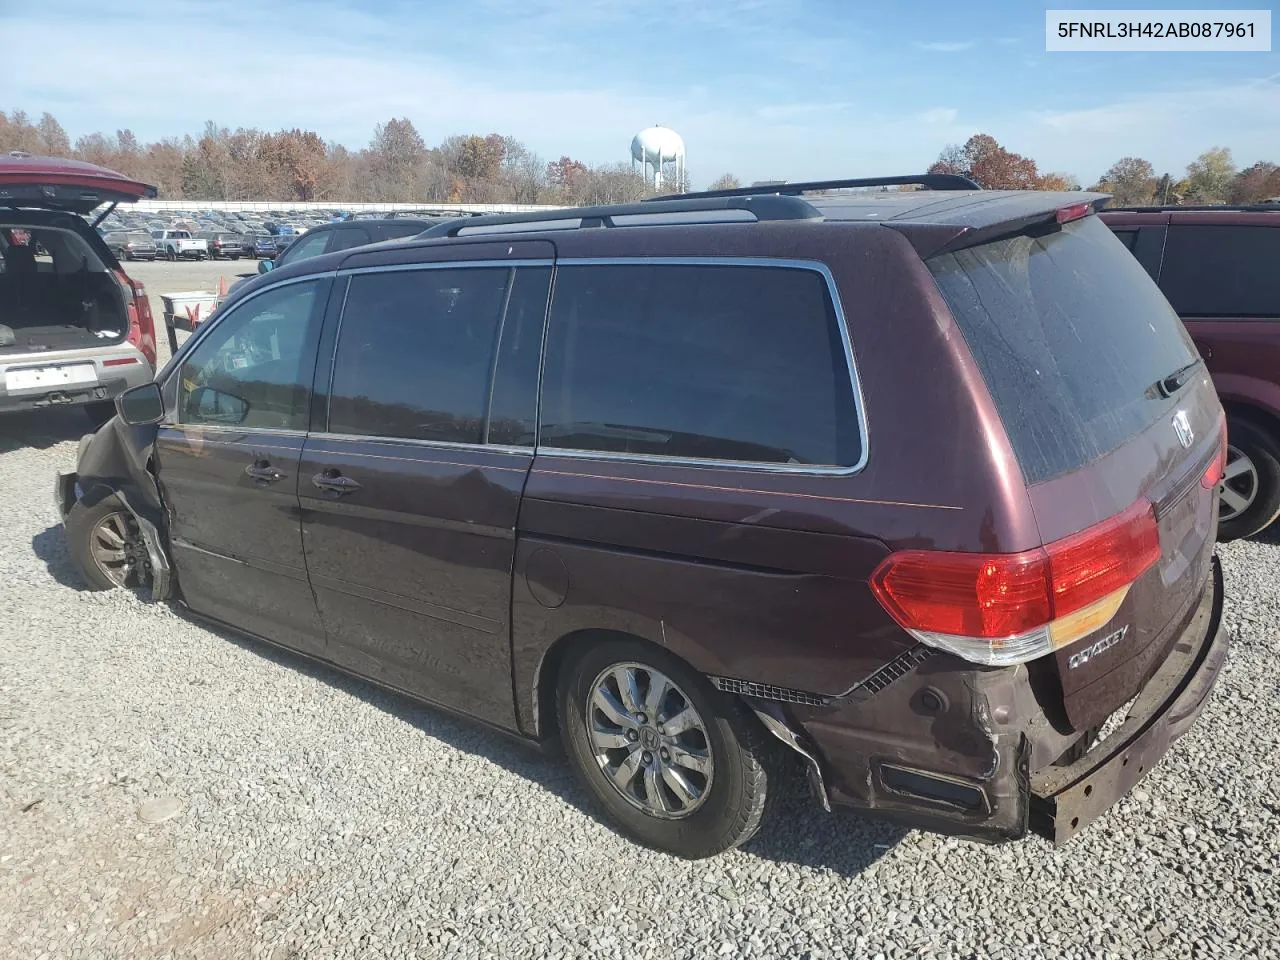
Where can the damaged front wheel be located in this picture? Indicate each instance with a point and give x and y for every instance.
(107, 545)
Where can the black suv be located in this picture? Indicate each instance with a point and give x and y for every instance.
(343, 235)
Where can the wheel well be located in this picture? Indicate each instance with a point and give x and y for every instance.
(1256, 415)
(553, 661)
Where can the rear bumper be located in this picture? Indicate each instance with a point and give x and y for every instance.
(946, 746)
(1065, 799)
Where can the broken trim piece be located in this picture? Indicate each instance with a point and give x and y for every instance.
(895, 669)
(766, 691)
(771, 716)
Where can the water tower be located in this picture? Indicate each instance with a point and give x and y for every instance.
(659, 151)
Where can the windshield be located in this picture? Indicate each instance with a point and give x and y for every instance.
(1071, 334)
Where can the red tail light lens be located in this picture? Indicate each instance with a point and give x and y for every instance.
(142, 327)
(996, 608)
(1074, 212)
(1218, 468)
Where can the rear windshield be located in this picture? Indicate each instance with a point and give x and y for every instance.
(1071, 334)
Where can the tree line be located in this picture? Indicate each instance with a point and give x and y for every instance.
(1212, 177)
(398, 166)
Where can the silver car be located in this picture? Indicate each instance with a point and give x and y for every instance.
(75, 330)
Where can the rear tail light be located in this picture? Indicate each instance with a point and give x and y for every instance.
(1218, 468)
(1002, 609)
(142, 327)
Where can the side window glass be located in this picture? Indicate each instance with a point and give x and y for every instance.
(254, 368)
(312, 245)
(514, 406)
(715, 362)
(348, 237)
(1222, 271)
(415, 353)
(1128, 237)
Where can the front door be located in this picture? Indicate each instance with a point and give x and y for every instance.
(227, 462)
(411, 484)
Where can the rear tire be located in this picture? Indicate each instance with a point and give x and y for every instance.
(104, 543)
(1250, 494)
(635, 782)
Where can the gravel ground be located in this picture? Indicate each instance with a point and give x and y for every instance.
(304, 814)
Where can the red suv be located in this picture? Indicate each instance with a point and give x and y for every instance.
(1220, 268)
(920, 486)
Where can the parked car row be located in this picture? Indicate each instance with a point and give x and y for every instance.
(661, 481)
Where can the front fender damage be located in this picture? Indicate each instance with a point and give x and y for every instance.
(118, 460)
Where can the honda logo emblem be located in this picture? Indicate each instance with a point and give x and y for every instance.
(1182, 427)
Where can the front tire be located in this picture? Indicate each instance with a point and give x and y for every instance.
(105, 544)
(675, 764)
(1249, 496)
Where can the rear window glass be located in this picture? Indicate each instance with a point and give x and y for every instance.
(1223, 271)
(719, 362)
(1069, 333)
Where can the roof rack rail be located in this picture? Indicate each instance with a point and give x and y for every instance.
(1265, 206)
(680, 209)
(934, 181)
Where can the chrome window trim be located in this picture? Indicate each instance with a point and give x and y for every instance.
(782, 263)
(220, 428)
(442, 265)
(430, 444)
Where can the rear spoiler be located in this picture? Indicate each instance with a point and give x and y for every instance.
(1031, 217)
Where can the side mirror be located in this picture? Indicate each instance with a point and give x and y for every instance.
(266, 266)
(214, 406)
(141, 405)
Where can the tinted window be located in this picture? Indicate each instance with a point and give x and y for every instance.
(254, 368)
(415, 353)
(1128, 237)
(1222, 271)
(349, 237)
(713, 362)
(1070, 333)
(396, 231)
(514, 407)
(312, 245)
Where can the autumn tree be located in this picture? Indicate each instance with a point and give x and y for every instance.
(398, 155)
(990, 165)
(726, 181)
(1131, 181)
(1258, 182)
(54, 141)
(1209, 176)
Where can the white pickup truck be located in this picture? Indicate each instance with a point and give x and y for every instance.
(174, 244)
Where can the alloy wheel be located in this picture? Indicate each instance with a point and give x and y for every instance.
(649, 740)
(1239, 486)
(117, 549)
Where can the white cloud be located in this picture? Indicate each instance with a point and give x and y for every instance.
(943, 115)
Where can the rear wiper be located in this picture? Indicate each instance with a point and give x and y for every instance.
(1168, 386)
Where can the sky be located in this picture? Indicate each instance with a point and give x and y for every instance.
(763, 89)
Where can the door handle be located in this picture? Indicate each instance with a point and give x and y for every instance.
(262, 472)
(331, 481)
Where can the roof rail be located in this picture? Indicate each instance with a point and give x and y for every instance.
(680, 209)
(1265, 206)
(934, 181)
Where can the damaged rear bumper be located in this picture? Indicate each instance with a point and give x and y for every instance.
(1065, 799)
(944, 746)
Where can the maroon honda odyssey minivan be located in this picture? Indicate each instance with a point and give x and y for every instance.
(913, 491)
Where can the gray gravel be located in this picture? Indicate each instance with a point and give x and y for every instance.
(168, 791)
